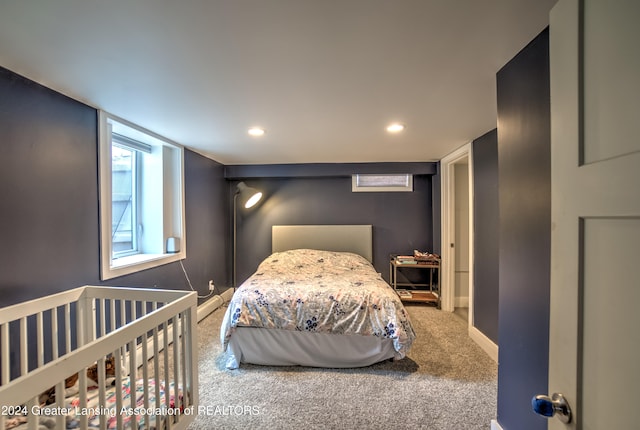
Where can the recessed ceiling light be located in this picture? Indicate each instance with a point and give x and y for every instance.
(256, 131)
(395, 128)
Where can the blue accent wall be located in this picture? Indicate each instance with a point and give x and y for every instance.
(486, 230)
(402, 221)
(524, 169)
(49, 202)
(49, 189)
(50, 215)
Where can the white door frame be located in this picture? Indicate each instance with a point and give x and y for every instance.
(448, 267)
(448, 193)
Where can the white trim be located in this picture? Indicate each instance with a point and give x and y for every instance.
(175, 223)
(447, 165)
(462, 302)
(484, 342)
(495, 425)
(472, 235)
(447, 192)
(214, 303)
(209, 306)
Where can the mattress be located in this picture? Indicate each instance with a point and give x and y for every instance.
(336, 295)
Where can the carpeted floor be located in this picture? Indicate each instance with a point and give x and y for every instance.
(446, 382)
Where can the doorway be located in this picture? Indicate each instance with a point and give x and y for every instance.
(457, 269)
(457, 231)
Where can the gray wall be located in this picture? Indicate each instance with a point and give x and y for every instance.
(49, 189)
(486, 234)
(49, 202)
(524, 161)
(401, 221)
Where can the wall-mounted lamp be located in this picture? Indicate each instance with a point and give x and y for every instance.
(247, 197)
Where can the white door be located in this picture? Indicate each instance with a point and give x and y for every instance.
(594, 350)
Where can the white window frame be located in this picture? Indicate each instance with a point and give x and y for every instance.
(383, 182)
(166, 219)
(135, 193)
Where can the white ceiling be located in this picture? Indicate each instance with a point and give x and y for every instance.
(323, 77)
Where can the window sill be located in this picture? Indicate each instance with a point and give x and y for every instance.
(135, 263)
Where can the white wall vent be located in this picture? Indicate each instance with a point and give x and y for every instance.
(381, 182)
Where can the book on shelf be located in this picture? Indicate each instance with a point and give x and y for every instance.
(426, 257)
(404, 294)
(405, 258)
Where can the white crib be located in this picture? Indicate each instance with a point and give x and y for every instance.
(150, 334)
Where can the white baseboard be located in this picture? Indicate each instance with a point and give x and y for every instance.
(461, 302)
(209, 306)
(495, 425)
(203, 310)
(214, 303)
(484, 342)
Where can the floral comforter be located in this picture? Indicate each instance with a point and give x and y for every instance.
(323, 292)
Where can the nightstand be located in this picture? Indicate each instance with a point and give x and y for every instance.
(430, 295)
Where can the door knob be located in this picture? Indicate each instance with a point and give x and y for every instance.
(556, 405)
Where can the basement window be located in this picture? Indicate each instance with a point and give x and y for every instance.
(381, 182)
(141, 199)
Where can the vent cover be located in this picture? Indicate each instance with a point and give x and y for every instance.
(381, 182)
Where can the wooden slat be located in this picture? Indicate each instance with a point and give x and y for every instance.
(192, 345)
(123, 322)
(6, 351)
(119, 370)
(39, 339)
(103, 317)
(132, 372)
(32, 419)
(80, 325)
(183, 359)
(112, 325)
(24, 359)
(60, 396)
(82, 387)
(167, 370)
(67, 328)
(102, 388)
(156, 361)
(176, 358)
(54, 334)
(145, 365)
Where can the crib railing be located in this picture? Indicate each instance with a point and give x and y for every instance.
(46, 340)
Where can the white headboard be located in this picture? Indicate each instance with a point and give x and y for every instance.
(345, 238)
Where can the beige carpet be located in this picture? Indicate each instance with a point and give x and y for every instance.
(446, 382)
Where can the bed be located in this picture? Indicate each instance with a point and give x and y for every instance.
(316, 301)
(99, 357)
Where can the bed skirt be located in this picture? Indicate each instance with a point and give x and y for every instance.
(273, 347)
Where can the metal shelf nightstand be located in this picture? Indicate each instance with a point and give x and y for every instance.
(431, 295)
